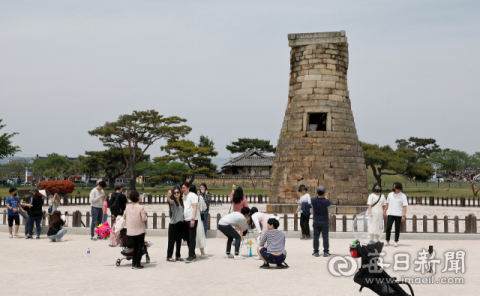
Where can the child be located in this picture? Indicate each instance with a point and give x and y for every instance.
(275, 252)
(12, 206)
(104, 209)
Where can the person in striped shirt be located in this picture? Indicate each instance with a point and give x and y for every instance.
(275, 252)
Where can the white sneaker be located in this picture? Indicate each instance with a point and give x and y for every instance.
(205, 256)
(149, 244)
(229, 256)
(18, 235)
(238, 257)
(59, 240)
(244, 243)
(387, 244)
(258, 258)
(11, 235)
(395, 245)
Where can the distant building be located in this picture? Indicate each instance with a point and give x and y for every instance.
(251, 162)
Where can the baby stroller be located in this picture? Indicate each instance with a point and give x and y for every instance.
(127, 247)
(379, 282)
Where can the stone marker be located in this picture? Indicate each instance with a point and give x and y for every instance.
(318, 142)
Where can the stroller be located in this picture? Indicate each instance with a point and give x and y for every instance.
(379, 282)
(127, 247)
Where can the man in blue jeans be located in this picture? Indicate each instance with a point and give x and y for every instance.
(320, 206)
(97, 197)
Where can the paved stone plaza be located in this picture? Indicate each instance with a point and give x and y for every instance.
(39, 267)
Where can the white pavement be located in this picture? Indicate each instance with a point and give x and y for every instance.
(40, 267)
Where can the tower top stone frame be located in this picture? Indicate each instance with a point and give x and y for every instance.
(318, 142)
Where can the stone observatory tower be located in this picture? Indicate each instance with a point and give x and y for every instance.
(318, 142)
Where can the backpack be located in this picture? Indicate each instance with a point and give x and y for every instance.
(111, 200)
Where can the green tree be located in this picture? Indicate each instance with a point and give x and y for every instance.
(198, 159)
(6, 147)
(17, 167)
(384, 160)
(56, 162)
(422, 147)
(164, 171)
(449, 160)
(205, 142)
(139, 129)
(243, 144)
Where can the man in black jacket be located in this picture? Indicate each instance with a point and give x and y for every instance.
(118, 201)
(36, 214)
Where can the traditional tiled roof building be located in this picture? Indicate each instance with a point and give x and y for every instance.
(250, 162)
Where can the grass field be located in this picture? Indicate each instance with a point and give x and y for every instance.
(411, 188)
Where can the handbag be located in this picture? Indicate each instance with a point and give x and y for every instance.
(202, 206)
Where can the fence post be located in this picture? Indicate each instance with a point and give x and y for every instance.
(403, 226)
(285, 222)
(88, 219)
(155, 220)
(456, 228)
(4, 217)
(149, 199)
(467, 224)
(435, 224)
(445, 224)
(146, 221)
(473, 223)
(414, 223)
(163, 220)
(334, 223)
(44, 218)
(344, 223)
(218, 218)
(295, 222)
(425, 227)
(208, 221)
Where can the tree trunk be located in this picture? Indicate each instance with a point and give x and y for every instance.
(132, 178)
(111, 181)
(191, 180)
(378, 176)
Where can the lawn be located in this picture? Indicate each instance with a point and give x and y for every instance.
(412, 188)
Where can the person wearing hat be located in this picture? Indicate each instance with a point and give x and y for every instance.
(36, 213)
(304, 202)
(320, 205)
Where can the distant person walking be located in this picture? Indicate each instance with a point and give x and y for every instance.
(12, 212)
(97, 197)
(377, 204)
(320, 205)
(303, 208)
(238, 200)
(396, 211)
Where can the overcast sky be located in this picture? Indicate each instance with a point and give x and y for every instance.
(67, 67)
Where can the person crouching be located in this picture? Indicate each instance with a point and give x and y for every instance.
(275, 253)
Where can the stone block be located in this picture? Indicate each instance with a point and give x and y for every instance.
(309, 84)
(326, 84)
(313, 77)
(330, 78)
(335, 98)
(304, 91)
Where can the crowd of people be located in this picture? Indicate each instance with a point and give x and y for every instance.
(189, 210)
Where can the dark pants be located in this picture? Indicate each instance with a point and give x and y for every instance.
(191, 237)
(175, 239)
(398, 221)
(37, 221)
(138, 243)
(231, 234)
(320, 227)
(97, 219)
(305, 224)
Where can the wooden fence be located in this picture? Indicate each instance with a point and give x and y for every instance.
(149, 199)
(259, 199)
(336, 224)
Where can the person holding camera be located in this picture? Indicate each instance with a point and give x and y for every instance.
(275, 252)
(97, 196)
(303, 208)
(395, 211)
(57, 227)
(176, 225)
(320, 206)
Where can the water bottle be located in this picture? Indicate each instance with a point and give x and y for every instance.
(88, 253)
